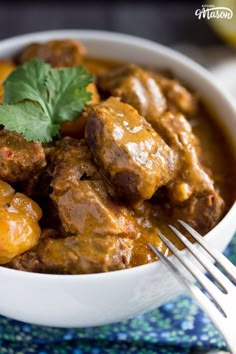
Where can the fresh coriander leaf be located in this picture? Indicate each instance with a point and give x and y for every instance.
(71, 106)
(27, 82)
(37, 98)
(67, 92)
(28, 118)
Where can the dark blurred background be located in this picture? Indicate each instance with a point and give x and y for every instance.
(167, 22)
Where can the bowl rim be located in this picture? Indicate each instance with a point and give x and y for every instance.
(121, 38)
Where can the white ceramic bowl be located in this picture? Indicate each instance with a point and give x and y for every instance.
(96, 299)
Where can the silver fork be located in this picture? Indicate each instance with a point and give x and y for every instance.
(220, 304)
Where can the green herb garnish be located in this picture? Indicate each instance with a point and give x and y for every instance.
(38, 98)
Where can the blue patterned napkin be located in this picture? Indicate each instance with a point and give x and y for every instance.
(177, 327)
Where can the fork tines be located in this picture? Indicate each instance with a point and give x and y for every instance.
(220, 303)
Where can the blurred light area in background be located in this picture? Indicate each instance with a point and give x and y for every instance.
(226, 28)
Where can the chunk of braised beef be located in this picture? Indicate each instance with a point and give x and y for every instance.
(19, 159)
(58, 53)
(132, 155)
(83, 199)
(76, 255)
(192, 189)
(179, 98)
(191, 177)
(149, 92)
(202, 211)
(135, 86)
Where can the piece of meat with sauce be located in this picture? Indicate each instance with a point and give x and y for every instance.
(202, 211)
(192, 193)
(191, 177)
(19, 159)
(133, 156)
(135, 86)
(83, 199)
(76, 255)
(179, 99)
(150, 93)
(58, 53)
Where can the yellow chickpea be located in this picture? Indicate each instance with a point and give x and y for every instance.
(19, 228)
(6, 67)
(180, 192)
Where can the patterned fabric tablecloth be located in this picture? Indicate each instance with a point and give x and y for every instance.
(177, 327)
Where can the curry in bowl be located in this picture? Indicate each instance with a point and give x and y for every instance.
(98, 156)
